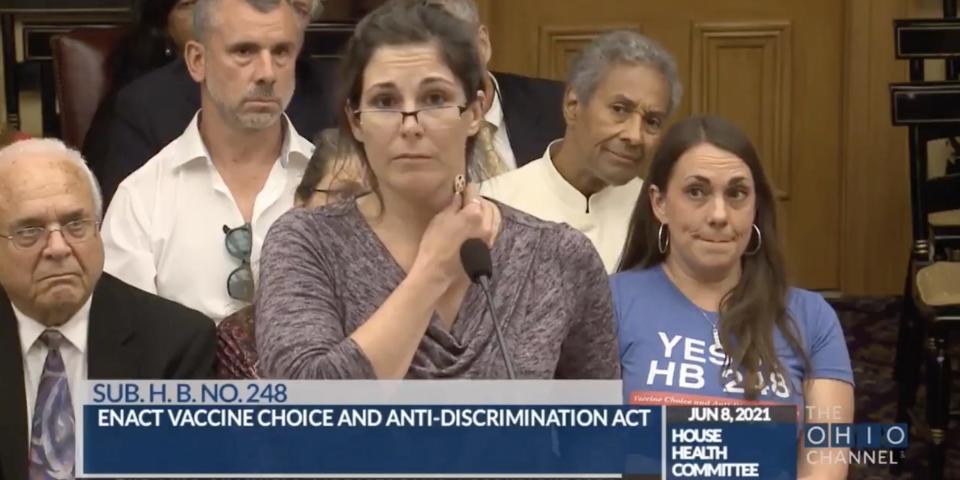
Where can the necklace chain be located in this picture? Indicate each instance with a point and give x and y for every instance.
(716, 333)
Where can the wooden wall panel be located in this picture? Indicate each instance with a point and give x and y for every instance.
(560, 43)
(742, 71)
(875, 231)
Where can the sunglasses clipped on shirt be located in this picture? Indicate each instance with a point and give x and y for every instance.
(239, 243)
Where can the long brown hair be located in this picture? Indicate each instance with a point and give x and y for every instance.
(407, 22)
(756, 306)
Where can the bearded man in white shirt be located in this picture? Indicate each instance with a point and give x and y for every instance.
(620, 91)
(189, 224)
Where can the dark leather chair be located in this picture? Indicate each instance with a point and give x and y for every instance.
(82, 77)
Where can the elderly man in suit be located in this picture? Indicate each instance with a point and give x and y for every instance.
(62, 320)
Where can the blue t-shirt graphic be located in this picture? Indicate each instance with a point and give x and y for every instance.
(669, 356)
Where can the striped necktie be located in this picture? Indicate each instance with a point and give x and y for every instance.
(52, 431)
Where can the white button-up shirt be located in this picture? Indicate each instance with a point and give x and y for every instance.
(73, 351)
(538, 189)
(501, 140)
(163, 231)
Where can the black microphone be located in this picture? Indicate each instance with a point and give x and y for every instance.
(475, 257)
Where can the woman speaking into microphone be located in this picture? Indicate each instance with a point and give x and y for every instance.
(373, 287)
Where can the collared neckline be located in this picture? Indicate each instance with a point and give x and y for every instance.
(192, 147)
(569, 194)
(494, 116)
(74, 330)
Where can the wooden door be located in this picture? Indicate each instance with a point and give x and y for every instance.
(772, 66)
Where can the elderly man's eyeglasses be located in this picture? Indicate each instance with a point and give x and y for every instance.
(72, 232)
(438, 117)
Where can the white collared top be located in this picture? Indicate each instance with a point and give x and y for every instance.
(538, 189)
(73, 352)
(163, 231)
(501, 139)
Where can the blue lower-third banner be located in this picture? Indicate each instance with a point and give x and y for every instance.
(260, 429)
(304, 439)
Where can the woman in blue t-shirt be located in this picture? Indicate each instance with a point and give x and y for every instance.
(704, 312)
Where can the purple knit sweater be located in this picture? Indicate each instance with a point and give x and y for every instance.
(323, 273)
